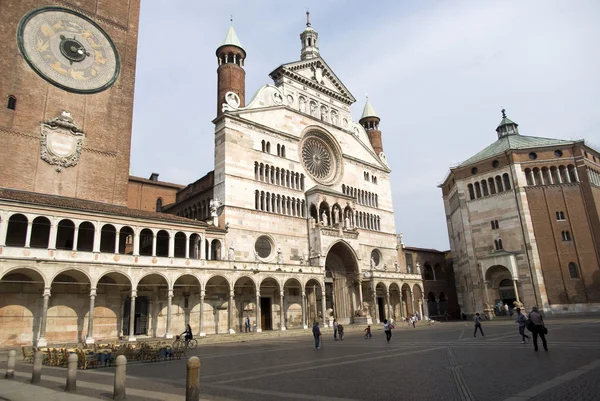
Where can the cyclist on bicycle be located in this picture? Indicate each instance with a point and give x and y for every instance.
(187, 334)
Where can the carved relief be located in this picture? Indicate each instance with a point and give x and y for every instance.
(61, 141)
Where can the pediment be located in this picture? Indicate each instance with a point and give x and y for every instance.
(317, 74)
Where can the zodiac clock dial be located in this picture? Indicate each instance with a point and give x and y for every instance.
(68, 49)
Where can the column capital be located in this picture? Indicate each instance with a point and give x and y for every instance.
(257, 294)
(92, 292)
(202, 293)
(303, 294)
(133, 293)
(281, 293)
(231, 294)
(46, 291)
(170, 294)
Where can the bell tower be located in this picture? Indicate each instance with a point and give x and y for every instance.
(231, 75)
(309, 41)
(370, 122)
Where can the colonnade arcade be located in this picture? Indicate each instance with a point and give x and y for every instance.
(73, 304)
(396, 300)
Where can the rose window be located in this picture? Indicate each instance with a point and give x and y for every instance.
(317, 158)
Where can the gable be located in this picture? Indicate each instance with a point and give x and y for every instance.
(316, 74)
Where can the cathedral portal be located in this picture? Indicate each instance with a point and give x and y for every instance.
(342, 279)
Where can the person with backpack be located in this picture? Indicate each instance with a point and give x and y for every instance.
(537, 327)
(340, 329)
(521, 320)
(478, 325)
(387, 328)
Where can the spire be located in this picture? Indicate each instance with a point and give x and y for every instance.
(309, 39)
(368, 111)
(506, 126)
(231, 39)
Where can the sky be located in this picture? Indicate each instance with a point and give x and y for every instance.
(437, 73)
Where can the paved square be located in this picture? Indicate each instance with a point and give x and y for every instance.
(436, 362)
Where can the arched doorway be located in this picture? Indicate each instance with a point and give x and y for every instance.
(216, 305)
(69, 305)
(185, 308)
(502, 289)
(314, 301)
(269, 304)
(341, 282)
(151, 307)
(112, 290)
(245, 299)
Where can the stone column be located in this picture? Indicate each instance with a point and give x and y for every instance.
(97, 237)
(516, 290)
(203, 248)
(230, 313)
(424, 307)
(171, 244)
(53, 234)
(387, 300)
(132, 316)
(323, 306)
(153, 244)
(90, 332)
(375, 307)
(304, 325)
(41, 342)
(28, 235)
(258, 325)
(208, 257)
(169, 302)
(281, 311)
(360, 294)
(187, 246)
(3, 228)
(412, 302)
(75, 237)
(117, 240)
(202, 333)
(136, 244)
(401, 304)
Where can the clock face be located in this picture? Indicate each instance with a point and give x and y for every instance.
(68, 50)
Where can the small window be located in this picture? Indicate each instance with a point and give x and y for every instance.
(474, 170)
(375, 258)
(560, 216)
(282, 150)
(159, 205)
(585, 153)
(558, 153)
(495, 163)
(263, 247)
(263, 145)
(533, 155)
(494, 224)
(12, 102)
(268, 147)
(566, 235)
(573, 271)
(498, 244)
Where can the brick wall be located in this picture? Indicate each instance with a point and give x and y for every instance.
(142, 193)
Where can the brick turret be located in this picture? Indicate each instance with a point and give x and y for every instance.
(231, 74)
(370, 122)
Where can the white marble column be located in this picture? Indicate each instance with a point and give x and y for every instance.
(172, 244)
(89, 339)
(187, 246)
(3, 228)
(258, 325)
(28, 235)
(153, 244)
(117, 240)
(516, 290)
(53, 234)
(375, 307)
(41, 342)
(169, 303)
(209, 256)
(136, 243)
(202, 333)
(424, 307)
(132, 316)
(97, 237)
(304, 325)
(360, 294)
(401, 303)
(230, 313)
(323, 306)
(387, 300)
(412, 302)
(281, 311)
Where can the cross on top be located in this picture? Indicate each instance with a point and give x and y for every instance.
(503, 113)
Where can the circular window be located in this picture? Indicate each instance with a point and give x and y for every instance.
(375, 258)
(495, 163)
(263, 247)
(533, 155)
(474, 170)
(320, 157)
(558, 153)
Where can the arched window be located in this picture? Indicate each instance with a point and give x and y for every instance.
(478, 190)
(566, 235)
(499, 185)
(506, 180)
(268, 147)
(564, 177)
(278, 150)
(263, 145)
(537, 176)
(498, 244)
(492, 186)
(282, 150)
(12, 102)
(573, 270)
(427, 272)
(572, 173)
(554, 175)
(471, 192)
(484, 188)
(528, 176)
(546, 176)
(159, 205)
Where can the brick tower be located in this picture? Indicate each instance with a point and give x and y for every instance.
(370, 121)
(66, 91)
(231, 74)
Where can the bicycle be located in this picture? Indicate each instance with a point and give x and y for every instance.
(180, 343)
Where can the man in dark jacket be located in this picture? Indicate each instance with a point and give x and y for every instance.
(538, 328)
(316, 334)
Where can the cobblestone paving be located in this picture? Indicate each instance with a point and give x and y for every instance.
(436, 362)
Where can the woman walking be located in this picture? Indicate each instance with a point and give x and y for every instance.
(522, 321)
(538, 328)
(478, 325)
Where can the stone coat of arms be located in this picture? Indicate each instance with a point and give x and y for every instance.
(61, 141)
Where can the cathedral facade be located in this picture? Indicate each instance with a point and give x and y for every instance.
(524, 225)
(295, 223)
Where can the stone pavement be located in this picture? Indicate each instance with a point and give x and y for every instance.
(442, 361)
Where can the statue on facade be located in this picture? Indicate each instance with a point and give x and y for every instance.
(418, 268)
(279, 256)
(214, 204)
(313, 109)
(231, 252)
(346, 223)
(396, 267)
(302, 103)
(334, 118)
(373, 264)
(324, 219)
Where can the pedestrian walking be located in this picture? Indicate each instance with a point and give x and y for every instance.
(341, 332)
(247, 323)
(387, 328)
(317, 335)
(506, 310)
(521, 320)
(478, 325)
(368, 334)
(537, 327)
(335, 329)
